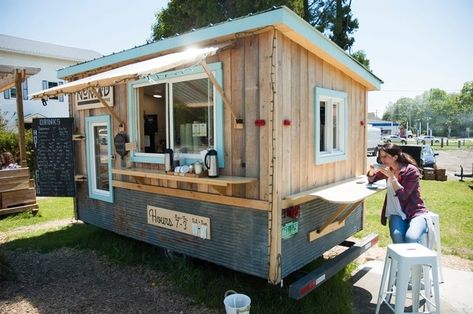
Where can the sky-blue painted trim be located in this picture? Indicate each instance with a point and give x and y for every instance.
(281, 17)
(319, 158)
(159, 158)
(91, 160)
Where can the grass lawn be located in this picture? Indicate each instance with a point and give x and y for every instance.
(50, 208)
(466, 144)
(206, 283)
(451, 200)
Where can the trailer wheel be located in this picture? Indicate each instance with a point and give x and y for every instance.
(403, 142)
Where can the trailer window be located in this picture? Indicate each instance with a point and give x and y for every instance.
(331, 129)
(180, 110)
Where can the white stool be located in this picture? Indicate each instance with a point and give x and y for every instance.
(402, 260)
(432, 239)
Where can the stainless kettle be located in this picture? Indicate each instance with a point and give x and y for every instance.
(211, 162)
(168, 158)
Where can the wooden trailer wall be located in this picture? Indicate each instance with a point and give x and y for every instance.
(248, 77)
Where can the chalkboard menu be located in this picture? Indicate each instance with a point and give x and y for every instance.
(52, 140)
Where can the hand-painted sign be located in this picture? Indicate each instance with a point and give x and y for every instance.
(178, 221)
(86, 99)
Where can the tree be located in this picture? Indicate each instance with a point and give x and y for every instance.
(360, 56)
(333, 18)
(184, 15)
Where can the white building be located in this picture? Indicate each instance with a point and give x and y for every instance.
(48, 57)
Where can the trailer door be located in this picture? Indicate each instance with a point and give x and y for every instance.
(99, 157)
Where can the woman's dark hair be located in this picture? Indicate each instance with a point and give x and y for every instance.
(395, 150)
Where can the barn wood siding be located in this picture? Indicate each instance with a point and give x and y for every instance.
(299, 72)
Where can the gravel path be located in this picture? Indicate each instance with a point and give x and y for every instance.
(76, 281)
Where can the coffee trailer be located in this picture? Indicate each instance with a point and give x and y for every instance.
(284, 108)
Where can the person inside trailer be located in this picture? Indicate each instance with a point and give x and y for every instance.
(403, 206)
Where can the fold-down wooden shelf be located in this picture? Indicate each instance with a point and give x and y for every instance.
(220, 183)
(348, 193)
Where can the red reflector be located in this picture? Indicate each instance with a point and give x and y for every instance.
(307, 288)
(374, 241)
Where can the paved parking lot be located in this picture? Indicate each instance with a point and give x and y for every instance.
(450, 160)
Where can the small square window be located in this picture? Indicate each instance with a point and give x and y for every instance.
(331, 129)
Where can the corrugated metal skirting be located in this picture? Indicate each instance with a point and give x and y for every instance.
(239, 236)
(298, 251)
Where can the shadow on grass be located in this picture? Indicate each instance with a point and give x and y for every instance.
(204, 282)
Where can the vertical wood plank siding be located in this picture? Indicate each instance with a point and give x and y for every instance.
(298, 251)
(247, 83)
(238, 236)
(299, 72)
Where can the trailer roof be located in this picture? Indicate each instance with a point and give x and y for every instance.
(281, 18)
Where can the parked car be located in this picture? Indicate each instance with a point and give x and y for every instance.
(394, 139)
(425, 139)
(374, 140)
(428, 157)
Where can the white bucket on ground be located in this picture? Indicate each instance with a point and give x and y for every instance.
(236, 303)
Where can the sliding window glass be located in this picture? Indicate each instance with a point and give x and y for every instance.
(179, 110)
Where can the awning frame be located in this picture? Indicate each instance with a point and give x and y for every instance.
(138, 70)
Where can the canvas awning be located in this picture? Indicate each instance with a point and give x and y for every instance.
(131, 71)
(8, 75)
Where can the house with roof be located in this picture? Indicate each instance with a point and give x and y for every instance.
(242, 143)
(18, 52)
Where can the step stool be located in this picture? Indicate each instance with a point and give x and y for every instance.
(404, 261)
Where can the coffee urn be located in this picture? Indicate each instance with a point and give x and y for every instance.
(211, 163)
(168, 158)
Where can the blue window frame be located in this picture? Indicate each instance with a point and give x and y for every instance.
(180, 110)
(99, 152)
(331, 127)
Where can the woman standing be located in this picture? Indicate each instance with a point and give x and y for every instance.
(403, 206)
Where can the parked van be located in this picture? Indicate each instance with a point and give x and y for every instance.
(373, 140)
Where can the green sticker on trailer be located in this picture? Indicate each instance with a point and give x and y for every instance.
(289, 229)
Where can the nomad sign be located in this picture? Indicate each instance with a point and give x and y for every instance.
(181, 222)
(86, 99)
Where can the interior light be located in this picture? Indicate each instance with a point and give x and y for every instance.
(157, 96)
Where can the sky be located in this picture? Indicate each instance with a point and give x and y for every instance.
(412, 45)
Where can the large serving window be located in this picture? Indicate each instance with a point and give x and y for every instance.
(179, 110)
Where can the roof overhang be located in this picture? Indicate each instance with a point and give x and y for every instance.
(282, 19)
(133, 71)
(8, 75)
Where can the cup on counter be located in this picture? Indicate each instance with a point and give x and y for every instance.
(198, 167)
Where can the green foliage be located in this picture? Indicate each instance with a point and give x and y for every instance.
(184, 15)
(447, 114)
(451, 200)
(360, 56)
(9, 143)
(3, 121)
(333, 18)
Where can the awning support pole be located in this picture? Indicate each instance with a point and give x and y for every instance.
(218, 87)
(104, 103)
(19, 77)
